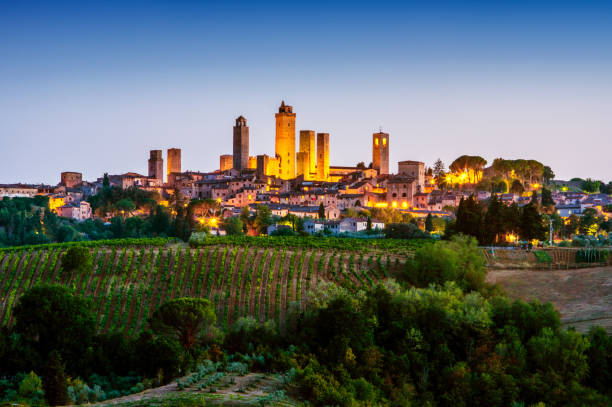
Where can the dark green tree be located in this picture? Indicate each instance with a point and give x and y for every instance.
(233, 226)
(77, 259)
(54, 380)
(494, 221)
(52, 317)
(590, 186)
(106, 181)
(321, 211)
(531, 223)
(184, 319)
(547, 198)
(429, 223)
(547, 174)
(263, 219)
(469, 218)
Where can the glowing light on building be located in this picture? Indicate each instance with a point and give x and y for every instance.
(394, 204)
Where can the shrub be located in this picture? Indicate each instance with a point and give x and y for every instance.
(76, 258)
(31, 387)
(542, 256)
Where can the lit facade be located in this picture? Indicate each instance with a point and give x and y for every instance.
(285, 141)
(380, 152)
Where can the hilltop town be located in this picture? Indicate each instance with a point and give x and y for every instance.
(299, 181)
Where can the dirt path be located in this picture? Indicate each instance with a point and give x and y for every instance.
(582, 296)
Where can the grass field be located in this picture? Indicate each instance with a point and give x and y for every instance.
(126, 284)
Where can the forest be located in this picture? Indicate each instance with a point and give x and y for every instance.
(433, 334)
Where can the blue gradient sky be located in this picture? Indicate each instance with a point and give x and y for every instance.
(92, 87)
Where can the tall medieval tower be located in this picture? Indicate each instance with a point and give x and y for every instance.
(308, 145)
(285, 141)
(174, 161)
(322, 156)
(241, 144)
(156, 165)
(380, 152)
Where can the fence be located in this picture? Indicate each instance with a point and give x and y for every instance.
(547, 258)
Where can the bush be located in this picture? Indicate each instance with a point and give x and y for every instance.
(542, 256)
(459, 260)
(31, 387)
(76, 258)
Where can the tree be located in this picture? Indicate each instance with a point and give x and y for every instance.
(494, 225)
(54, 380)
(51, 317)
(361, 165)
(469, 218)
(125, 206)
(589, 222)
(233, 226)
(590, 185)
(263, 219)
(321, 211)
(517, 187)
(76, 258)
(548, 174)
(547, 199)
(369, 224)
(184, 319)
(531, 223)
(105, 181)
(429, 223)
(438, 168)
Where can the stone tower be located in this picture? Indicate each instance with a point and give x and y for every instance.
(301, 159)
(156, 165)
(380, 152)
(174, 160)
(322, 156)
(225, 162)
(308, 145)
(285, 141)
(241, 144)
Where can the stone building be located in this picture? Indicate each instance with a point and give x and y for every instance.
(241, 144)
(226, 162)
(71, 179)
(322, 156)
(267, 165)
(156, 165)
(308, 145)
(380, 152)
(414, 169)
(285, 141)
(174, 160)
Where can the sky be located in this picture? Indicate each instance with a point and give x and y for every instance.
(93, 86)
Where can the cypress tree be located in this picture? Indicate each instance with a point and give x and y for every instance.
(54, 380)
(429, 223)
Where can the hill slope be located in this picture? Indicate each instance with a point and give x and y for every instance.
(126, 284)
(582, 296)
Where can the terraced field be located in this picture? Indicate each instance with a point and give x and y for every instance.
(126, 284)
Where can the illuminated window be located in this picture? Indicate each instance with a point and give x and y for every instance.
(376, 142)
(384, 141)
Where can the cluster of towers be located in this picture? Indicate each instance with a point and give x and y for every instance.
(310, 161)
(156, 164)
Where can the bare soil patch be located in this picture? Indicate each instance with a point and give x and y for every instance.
(582, 296)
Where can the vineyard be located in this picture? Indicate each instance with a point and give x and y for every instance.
(127, 283)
